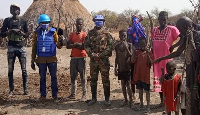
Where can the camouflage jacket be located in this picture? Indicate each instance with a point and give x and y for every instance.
(99, 41)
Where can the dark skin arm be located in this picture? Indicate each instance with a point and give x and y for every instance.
(178, 90)
(149, 58)
(177, 53)
(116, 62)
(4, 30)
(162, 76)
(133, 54)
(129, 49)
(176, 45)
(71, 45)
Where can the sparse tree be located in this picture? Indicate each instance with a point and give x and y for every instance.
(110, 17)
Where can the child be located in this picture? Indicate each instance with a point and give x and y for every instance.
(170, 86)
(142, 65)
(78, 55)
(122, 65)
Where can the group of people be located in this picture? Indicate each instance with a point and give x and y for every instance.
(132, 63)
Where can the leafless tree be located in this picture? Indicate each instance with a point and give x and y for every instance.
(58, 6)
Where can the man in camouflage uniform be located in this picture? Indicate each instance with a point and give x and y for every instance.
(98, 45)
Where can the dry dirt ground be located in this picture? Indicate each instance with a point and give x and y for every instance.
(29, 105)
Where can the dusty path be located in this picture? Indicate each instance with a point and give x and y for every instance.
(29, 105)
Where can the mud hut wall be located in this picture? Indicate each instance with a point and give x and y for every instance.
(70, 11)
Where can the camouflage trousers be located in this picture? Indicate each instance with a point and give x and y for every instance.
(104, 69)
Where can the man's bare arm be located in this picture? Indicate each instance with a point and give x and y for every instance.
(177, 53)
(71, 45)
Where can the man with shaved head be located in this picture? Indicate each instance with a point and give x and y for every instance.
(191, 45)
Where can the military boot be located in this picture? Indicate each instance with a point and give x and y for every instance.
(94, 95)
(107, 95)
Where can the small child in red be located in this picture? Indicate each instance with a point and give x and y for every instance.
(171, 86)
(142, 65)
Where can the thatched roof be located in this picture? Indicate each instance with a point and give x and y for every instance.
(70, 11)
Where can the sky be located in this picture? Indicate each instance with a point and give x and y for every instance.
(174, 6)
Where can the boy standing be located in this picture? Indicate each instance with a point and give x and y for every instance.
(78, 55)
(122, 65)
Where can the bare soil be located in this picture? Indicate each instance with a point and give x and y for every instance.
(19, 104)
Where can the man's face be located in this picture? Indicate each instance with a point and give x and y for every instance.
(162, 21)
(15, 10)
(181, 29)
(79, 25)
(123, 36)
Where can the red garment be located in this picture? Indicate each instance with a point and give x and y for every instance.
(78, 38)
(141, 67)
(169, 88)
(199, 78)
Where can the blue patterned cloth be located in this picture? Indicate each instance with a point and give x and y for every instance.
(135, 32)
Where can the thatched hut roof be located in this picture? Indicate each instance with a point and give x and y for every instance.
(70, 11)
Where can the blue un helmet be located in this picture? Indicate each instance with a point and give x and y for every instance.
(99, 20)
(43, 18)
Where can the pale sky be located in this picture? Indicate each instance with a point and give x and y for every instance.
(175, 6)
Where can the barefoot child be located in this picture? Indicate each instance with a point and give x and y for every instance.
(170, 86)
(122, 65)
(142, 65)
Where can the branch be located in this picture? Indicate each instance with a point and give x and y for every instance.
(150, 20)
(58, 10)
(151, 25)
(196, 10)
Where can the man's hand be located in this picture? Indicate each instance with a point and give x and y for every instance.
(33, 65)
(61, 40)
(17, 31)
(96, 56)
